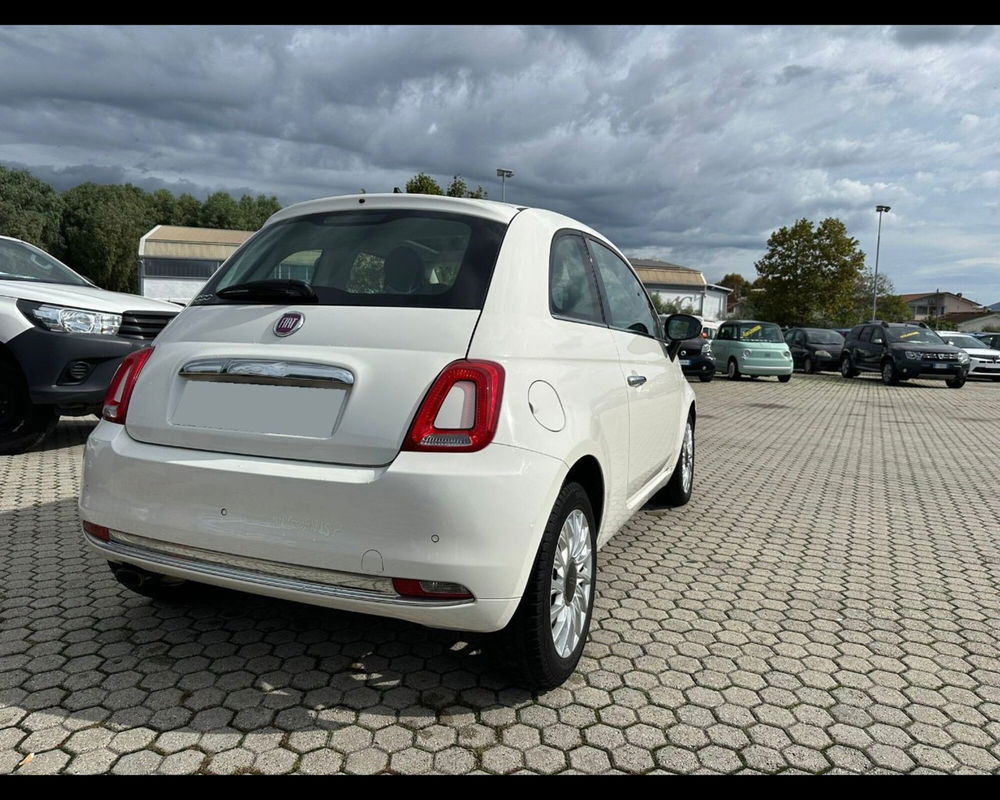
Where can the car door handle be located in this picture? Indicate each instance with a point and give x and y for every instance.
(636, 380)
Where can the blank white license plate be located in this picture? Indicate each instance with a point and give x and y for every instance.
(940, 366)
(686, 363)
(251, 408)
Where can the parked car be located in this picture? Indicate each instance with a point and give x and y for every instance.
(696, 355)
(992, 339)
(443, 424)
(814, 349)
(749, 347)
(61, 340)
(984, 361)
(900, 351)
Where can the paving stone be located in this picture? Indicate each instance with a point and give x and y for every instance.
(792, 621)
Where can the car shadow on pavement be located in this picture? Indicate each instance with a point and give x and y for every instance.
(78, 647)
(70, 432)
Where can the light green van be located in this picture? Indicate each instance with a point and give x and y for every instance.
(748, 347)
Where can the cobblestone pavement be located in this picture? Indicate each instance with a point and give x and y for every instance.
(826, 603)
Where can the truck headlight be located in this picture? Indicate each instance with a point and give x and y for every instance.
(706, 350)
(823, 354)
(76, 320)
(963, 357)
(912, 355)
(746, 354)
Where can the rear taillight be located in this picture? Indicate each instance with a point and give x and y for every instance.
(461, 409)
(120, 391)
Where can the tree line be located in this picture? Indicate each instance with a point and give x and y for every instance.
(95, 228)
(814, 276)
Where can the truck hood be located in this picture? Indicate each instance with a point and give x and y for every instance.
(86, 297)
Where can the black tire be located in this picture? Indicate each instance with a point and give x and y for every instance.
(677, 491)
(846, 370)
(809, 366)
(955, 383)
(526, 645)
(707, 377)
(784, 378)
(22, 424)
(733, 370)
(889, 375)
(153, 585)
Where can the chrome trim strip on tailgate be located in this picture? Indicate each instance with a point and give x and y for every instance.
(267, 372)
(327, 583)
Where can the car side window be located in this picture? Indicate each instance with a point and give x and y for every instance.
(629, 308)
(725, 333)
(866, 335)
(790, 337)
(572, 285)
(877, 336)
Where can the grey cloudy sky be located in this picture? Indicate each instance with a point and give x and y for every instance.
(690, 144)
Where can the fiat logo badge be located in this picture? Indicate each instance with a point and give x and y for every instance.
(289, 323)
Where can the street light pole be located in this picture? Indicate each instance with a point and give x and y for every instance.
(503, 174)
(878, 242)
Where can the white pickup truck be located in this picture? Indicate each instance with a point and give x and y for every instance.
(61, 340)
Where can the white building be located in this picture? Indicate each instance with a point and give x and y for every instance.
(683, 286)
(175, 261)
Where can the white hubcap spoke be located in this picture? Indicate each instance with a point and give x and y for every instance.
(571, 583)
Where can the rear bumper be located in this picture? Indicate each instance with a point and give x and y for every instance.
(469, 518)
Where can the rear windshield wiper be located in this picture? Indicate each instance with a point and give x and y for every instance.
(269, 291)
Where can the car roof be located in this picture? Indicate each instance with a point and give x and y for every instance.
(489, 209)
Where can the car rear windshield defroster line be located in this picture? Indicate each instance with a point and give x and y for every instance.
(402, 258)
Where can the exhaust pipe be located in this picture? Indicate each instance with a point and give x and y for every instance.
(133, 578)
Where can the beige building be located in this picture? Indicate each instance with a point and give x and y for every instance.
(175, 261)
(937, 304)
(683, 286)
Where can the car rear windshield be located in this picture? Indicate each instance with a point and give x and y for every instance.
(760, 332)
(820, 336)
(914, 336)
(401, 258)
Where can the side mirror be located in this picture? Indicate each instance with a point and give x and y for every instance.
(678, 328)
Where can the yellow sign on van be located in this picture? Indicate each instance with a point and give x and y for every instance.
(908, 335)
(751, 331)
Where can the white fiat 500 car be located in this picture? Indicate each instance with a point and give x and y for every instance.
(420, 407)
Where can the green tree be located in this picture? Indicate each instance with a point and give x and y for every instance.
(459, 188)
(254, 210)
(219, 210)
(422, 183)
(163, 206)
(809, 274)
(188, 209)
(30, 209)
(739, 285)
(669, 306)
(101, 228)
(891, 307)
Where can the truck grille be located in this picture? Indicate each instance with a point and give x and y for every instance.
(144, 324)
(940, 356)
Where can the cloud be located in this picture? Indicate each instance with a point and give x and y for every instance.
(690, 143)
